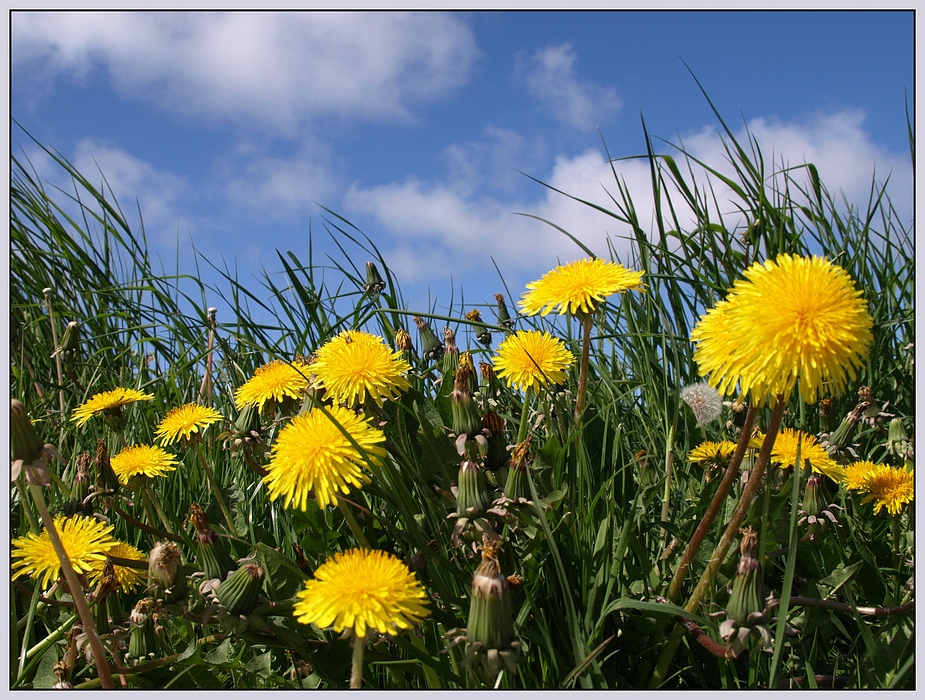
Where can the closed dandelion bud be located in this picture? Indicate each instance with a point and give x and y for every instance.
(25, 443)
(106, 478)
(472, 497)
(745, 599)
(430, 343)
(504, 318)
(491, 622)
(80, 488)
(374, 283)
(450, 362)
(483, 335)
(897, 442)
(142, 640)
(26, 448)
(164, 571)
(497, 455)
(404, 345)
(106, 610)
(826, 414)
(841, 438)
(466, 418)
(211, 555)
(489, 383)
(70, 341)
(515, 486)
(240, 590)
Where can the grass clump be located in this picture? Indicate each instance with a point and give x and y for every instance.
(335, 503)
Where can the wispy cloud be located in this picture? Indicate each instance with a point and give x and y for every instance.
(434, 226)
(550, 76)
(260, 70)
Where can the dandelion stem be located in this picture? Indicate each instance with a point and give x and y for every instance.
(353, 524)
(732, 529)
(218, 494)
(524, 413)
(356, 668)
(76, 591)
(719, 498)
(586, 322)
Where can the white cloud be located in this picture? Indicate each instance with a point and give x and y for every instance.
(578, 103)
(424, 218)
(276, 70)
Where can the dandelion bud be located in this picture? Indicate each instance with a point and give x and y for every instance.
(374, 283)
(490, 620)
(142, 641)
(26, 448)
(841, 438)
(496, 456)
(745, 599)
(450, 362)
(433, 348)
(212, 556)
(515, 486)
(466, 418)
(105, 476)
(483, 335)
(239, 591)
(504, 318)
(897, 442)
(472, 497)
(489, 383)
(163, 569)
(25, 443)
(70, 341)
(704, 401)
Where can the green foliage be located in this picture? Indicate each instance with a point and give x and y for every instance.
(614, 500)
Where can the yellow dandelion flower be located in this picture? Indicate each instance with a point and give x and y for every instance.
(362, 589)
(142, 460)
(185, 420)
(273, 382)
(106, 402)
(794, 317)
(784, 452)
(891, 488)
(86, 541)
(129, 578)
(578, 287)
(856, 475)
(311, 453)
(532, 359)
(355, 363)
(717, 453)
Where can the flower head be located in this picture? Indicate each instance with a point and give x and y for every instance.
(273, 382)
(704, 401)
(311, 453)
(793, 317)
(362, 589)
(717, 453)
(890, 487)
(355, 363)
(185, 420)
(578, 286)
(86, 541)
(855, 475)
(532, 359)
(107, 402)
(784, 452)
(129, 578)
(142, 460)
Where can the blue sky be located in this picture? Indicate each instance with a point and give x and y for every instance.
(231, 129)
